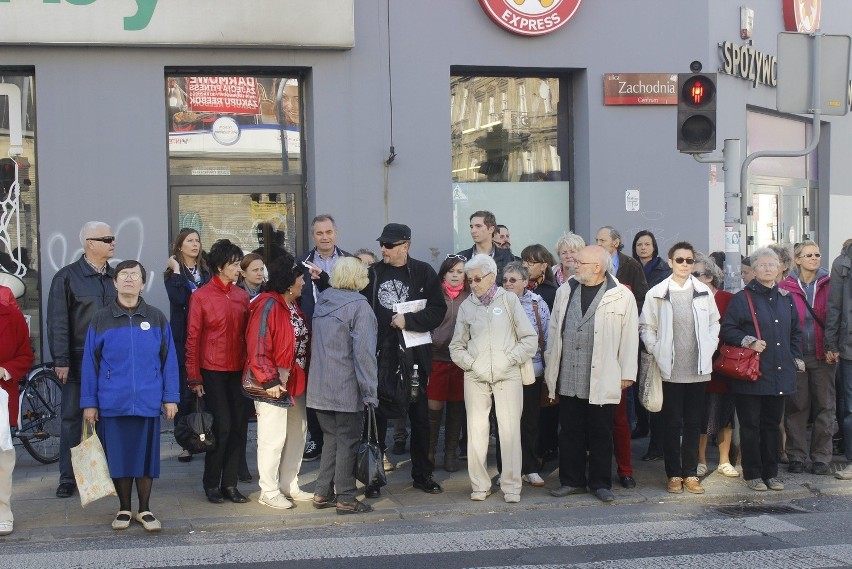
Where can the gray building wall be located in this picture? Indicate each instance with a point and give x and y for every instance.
(102, 145)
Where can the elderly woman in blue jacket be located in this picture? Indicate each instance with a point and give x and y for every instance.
(129, 373)
(760, 404)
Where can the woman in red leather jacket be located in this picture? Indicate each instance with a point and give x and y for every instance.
(215, 356)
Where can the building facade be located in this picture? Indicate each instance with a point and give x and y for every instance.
(246, 119)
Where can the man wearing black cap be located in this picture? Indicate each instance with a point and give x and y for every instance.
(399, 278)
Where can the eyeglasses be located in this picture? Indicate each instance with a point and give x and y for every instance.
(811, 255)
(682, 260)
(122, 276)
(459, 257)
(388, 245)
(766, 266)
(510, 280)
(106, 239)
(577, 262)
(531, 262)
(698, 274)
(477, 280)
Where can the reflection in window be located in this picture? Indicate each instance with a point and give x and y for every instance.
(506, 134)
(19, 247)
(230, 125)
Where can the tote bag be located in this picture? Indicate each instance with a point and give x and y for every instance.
(90, 468)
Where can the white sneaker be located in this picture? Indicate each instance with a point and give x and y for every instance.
(533, 479)
(6, 528)
(701, 470)
(511, 498)
(278, 501)
(300, 495)
(387, 465)
(727, 469)
(845, 474)
(479, 496)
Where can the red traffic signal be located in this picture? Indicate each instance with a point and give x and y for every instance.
(696, 112)
(7, 176)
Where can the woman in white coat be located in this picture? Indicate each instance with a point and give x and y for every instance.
(680, 328)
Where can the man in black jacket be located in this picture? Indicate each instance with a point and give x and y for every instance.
(399, 278)
(483, 225)
(78, 291)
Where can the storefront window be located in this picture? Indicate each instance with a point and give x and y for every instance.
(19, 245)
(233, 125)
(508, 138)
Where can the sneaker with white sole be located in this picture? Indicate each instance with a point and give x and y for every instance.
(6, 528)
(774, 484)
(312, 452)
(756, 484)
(701, 470)
(278, 501)
(727, 469)
(479, 496)
(533, 479)
(511, 498)
(387, 465)
(845, 474)
(300, 495)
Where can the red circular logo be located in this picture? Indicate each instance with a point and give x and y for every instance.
(530, 17)
(802, 15)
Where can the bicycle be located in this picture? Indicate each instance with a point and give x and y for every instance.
(40, 413)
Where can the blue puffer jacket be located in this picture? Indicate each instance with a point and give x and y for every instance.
(779, 327)
(129, 362)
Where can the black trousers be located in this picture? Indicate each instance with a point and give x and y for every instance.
(584, 427)
(230, 426)
(418, 416)
(760, 434)
(530, 459)
(683, 407)
(71, 428)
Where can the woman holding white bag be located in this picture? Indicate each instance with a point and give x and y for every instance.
(16, 358)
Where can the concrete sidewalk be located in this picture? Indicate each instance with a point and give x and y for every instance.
(179, 501)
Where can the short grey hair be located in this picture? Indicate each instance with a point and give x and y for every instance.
(517, 267)
(763, 252)
(614, 234)
(570, 240)
(711, 269)
(784, 254)
(482, 262)
(89, 228)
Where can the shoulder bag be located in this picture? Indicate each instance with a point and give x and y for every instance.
(544, 399)
(737, 362)
(527, 369)
(252, 389)
(369, 468)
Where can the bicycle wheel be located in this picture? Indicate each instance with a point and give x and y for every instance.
(41, 416)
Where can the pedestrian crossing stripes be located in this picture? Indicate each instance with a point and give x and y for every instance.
(407, 544)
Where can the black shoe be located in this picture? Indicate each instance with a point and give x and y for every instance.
(354, 507)
(312, 451)
(795, 467)
(372, 492)
(605, 494)
(232, 494)
(185, 456)
(398, 447)
(639, 434)
(214, 495)
(549, 455)
(428, 485)
(651, 457)
(820, 469)
(65, 490)
(245, 477)
(626, 482)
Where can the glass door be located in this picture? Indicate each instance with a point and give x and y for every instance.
(777, 214)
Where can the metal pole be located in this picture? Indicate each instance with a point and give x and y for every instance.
(733, 225)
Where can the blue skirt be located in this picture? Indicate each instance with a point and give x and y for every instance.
(132, 446)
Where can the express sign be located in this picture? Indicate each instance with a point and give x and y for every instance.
(530, 17)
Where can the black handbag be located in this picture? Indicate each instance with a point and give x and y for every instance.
(394, 381)
(194, 431)
(369, 468)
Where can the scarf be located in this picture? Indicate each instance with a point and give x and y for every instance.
(486, 298)
(533, 283)
(452, 291)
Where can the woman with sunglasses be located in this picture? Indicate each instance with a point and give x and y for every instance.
(493, 337)
(760, 404)
(808, 285)
(680, 328)
(186, 271)
(446, 384)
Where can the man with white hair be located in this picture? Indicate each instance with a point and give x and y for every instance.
(78, 291)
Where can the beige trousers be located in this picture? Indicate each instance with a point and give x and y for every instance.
(508, 405)
(281, 433)
(7, 465)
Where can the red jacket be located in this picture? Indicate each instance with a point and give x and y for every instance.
(16, 355)
(7, 297)
(215, 337)
(271, 342)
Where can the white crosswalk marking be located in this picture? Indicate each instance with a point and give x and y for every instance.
(407, 544)
(799, 558)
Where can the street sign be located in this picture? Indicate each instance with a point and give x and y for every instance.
(796, 70)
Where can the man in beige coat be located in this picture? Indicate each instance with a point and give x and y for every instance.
(593, 340)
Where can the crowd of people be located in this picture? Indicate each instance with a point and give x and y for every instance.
(540, 353)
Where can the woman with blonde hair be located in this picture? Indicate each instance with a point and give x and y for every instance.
(566, 248)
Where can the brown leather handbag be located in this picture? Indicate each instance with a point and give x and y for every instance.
(252, 389)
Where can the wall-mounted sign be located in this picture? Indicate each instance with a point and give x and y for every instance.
(207, 23)
(802, 15)
(530, 17)
(640, 88)
(746, 62)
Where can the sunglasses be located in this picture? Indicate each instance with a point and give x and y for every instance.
(388, 245)
(107, 239)
(682, 260)
(459, 257)
(510, 280)
(698, 274)
(476, 280)
(811, 255)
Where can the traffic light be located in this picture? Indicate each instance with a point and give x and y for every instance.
(696, 112)
(7, 177)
